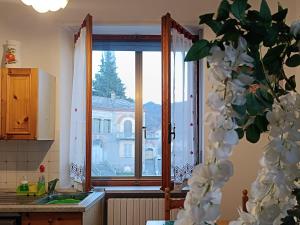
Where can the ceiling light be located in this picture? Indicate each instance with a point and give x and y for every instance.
(43, 6)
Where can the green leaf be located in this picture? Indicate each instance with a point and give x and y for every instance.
(240, 132)
(291, 83)
(214, 25)
(261, 123)
(271, 37)
(199, 50)
(265, 11)
(228, 27)
(265, 96)
(253, 15)
(293, 61)
(206, 17)
(242, 121)
(238, 9)
(252, 133)
(223, 10)
(280, 8)
(258, 72)
(280, 15)
(253, 105)
(240, 109)
(273, 54)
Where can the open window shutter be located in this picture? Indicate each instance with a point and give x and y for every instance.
(179, 105)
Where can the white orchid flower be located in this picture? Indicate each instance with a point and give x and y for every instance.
(295, 28)
(184, 217)
(215, 102)
(242, 44)
(221, 72)
(245, 219)
(222, 151)
(225, 170)
(292, 153)
(212, 213)
(216, 55)
(244, 79)
(231, 137)
(268, 214)
(236, 93)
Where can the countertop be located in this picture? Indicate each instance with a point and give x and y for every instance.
(9, 202)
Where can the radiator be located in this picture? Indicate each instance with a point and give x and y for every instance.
(135, 211)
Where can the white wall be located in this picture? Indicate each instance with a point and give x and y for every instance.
(46, 44)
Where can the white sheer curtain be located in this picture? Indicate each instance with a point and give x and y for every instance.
(182, 108)
(78, 114)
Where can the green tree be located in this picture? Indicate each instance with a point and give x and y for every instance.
(106, 80)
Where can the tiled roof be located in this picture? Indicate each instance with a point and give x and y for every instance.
(112, 104)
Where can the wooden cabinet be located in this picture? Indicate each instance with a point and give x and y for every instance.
(27, 104)
(52, 219)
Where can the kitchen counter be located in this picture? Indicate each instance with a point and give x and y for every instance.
(9, 202)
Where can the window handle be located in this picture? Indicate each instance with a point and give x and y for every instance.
(145, 131)
(171, 132)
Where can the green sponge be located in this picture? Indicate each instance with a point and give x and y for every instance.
(64, 201)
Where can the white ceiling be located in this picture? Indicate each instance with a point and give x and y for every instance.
(120, 14)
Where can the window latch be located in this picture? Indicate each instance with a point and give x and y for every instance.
(171, 133)
(145, 131)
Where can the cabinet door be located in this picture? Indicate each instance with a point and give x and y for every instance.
(19, 108)
(52, 219)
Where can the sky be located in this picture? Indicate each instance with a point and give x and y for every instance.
(126, 71)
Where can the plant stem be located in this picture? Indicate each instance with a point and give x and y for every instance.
(266, 76)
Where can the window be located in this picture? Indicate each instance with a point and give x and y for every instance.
(127, 128)
(97, 126)
(126, 93)
(106, 126)
(128, 151)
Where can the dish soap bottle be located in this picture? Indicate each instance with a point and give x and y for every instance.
(41, 183)
(24, 185)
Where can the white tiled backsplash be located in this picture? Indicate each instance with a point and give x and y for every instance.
(23, 158)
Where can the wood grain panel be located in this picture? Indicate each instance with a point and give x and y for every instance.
(19, 96)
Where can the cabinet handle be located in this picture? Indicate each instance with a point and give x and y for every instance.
(26, 119)
(50, 221)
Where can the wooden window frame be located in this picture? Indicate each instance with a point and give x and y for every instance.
(167, 23)
(138, 180)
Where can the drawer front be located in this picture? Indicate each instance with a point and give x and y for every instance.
(52, 219)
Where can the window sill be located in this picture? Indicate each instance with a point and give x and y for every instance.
(138, 192)
(120, 182)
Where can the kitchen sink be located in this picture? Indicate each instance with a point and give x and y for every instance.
(63, 198)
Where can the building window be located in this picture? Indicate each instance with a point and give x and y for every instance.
(128, 151)
(106, 126)
(150, 162)
(127, 128)
(97, 126)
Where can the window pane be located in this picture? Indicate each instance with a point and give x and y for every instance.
(113, 103)
(152, 114)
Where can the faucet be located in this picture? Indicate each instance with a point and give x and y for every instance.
(51, 186)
